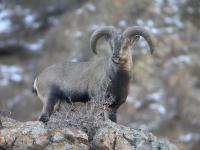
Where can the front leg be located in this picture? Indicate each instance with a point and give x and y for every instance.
(109, 114)
(113, 116)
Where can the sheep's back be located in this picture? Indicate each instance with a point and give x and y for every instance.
(73, 76)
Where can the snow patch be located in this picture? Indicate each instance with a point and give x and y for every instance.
(78, 34)
(35, 46)
(79, 11)
(90, 7)
(11, 103)
(5, 26)
(182, 59)
(189, 137)
(74, 60)
(122, 23)
(10, 73)
(156, 96)
(158, 107)
(137, 103)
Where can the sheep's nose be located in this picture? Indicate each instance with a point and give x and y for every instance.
(115, 59)
(115, 56)
(120, 52)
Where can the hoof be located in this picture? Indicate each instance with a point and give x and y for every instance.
(44, 118)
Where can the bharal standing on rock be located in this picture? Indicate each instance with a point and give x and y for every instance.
(79, 81)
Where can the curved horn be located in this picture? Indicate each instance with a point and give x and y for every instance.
(135, 31)
(103, 31)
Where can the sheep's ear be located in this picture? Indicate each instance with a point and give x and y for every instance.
(131, 41)
(134, 40)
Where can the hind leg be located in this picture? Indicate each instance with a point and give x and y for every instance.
(48, 107)
(44, 117)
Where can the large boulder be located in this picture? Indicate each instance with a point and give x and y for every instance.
(35, 135)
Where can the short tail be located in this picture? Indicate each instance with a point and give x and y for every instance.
(34, 87)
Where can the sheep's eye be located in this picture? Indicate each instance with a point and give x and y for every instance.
(124, 47)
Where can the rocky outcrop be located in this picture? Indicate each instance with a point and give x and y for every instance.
(35, 135)
(114, 136)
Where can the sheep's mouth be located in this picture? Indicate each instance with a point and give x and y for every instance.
(118, 60)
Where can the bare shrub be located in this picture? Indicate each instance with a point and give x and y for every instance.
(4, 113)
(87, 117)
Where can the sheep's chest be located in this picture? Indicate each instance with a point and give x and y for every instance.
(120, 87)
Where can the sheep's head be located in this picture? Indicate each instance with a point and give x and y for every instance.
(121, 43)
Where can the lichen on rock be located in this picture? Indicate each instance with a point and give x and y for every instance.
(114, 136)
(35, 135)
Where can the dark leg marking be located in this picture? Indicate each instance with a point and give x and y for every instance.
(112, 116)
(56, 95)
(53, 98)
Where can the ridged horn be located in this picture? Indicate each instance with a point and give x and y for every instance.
(107, 31)
(139, 31)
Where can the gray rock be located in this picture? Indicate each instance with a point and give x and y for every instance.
(35, 135)
(114, 136)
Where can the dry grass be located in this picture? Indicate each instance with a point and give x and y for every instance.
(87, 117)
(4, 113)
